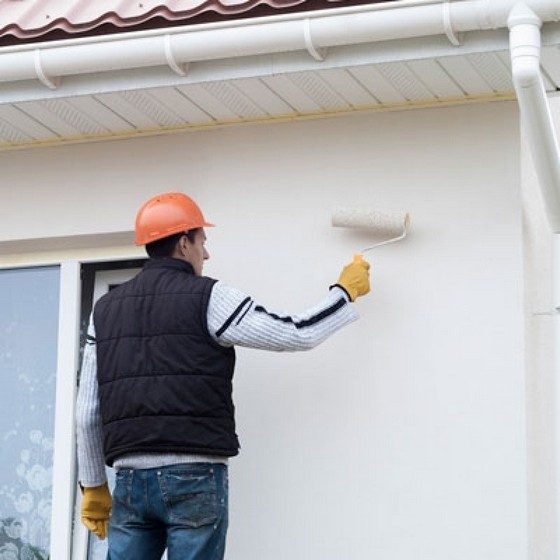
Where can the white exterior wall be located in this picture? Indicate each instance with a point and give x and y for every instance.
(404, 436)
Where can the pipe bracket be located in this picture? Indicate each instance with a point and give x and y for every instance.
(180, 69)
(51, 83)
(317, 53)
(453, 37)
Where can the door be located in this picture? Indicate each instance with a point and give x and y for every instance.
(87, 546)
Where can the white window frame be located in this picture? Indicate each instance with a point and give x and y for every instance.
(68, 539)
(64, 456)
(64, 463)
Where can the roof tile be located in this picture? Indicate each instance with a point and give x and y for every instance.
(30, 20)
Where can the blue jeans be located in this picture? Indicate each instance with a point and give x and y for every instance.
(183, 508)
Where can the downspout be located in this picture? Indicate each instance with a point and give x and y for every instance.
(525, 46)
(538, 125)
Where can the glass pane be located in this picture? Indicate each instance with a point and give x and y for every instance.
(28, 354)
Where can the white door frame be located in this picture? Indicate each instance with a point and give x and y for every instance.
(69, 538)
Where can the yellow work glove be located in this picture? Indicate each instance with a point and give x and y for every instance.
(354, 279)
(96, 509)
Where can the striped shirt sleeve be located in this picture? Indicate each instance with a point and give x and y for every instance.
(91, 464)
(235, 319)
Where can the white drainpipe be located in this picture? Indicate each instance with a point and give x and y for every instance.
(539, 128)
(525, 45)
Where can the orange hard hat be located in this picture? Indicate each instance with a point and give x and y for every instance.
(167, 214)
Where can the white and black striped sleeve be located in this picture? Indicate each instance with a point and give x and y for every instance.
(236, 319)
(89, 434)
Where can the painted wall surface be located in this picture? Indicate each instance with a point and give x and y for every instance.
(404, 435)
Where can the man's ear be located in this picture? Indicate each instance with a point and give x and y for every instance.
(181, 248)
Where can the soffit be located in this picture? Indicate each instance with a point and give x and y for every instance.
(388, 75)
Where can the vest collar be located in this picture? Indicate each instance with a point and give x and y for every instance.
(169, 263)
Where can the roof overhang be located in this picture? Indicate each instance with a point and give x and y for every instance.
(394, 55)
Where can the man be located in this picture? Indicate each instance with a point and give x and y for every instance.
(155, 398)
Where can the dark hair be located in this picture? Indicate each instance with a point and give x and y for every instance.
(165, 247)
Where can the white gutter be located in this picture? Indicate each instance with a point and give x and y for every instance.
(311, 31)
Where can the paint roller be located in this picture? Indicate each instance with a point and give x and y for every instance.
(391, 226)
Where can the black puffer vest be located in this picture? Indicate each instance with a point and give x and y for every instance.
(164, 385)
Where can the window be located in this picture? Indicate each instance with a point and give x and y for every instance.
(29, 307)
(43, 319)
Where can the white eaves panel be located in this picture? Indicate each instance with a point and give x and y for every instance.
(550, 60)
(505, 58)
(404, 80)
(182, 106)
(201, 97)
(106, 118)
(383, 90)
(292, 94)
(435, 78)
(235, 100)
(318, 90)
(493, 70)
(10, 135)
(117, 103)
(263, 96)
(347, 87)
(20, 123)
(149, 106)
(59, 117)
(79, 120)
(464, 73)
